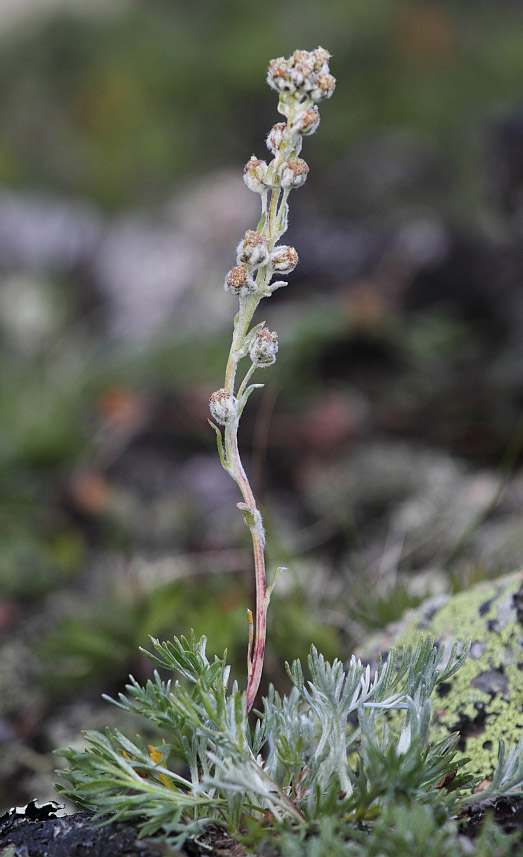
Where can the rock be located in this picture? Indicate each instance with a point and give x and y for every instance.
(484, 700)
(36, 830)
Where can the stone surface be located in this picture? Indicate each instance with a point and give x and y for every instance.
(36, 831)
(484, 700)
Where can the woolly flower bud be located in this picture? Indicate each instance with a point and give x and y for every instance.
(306, 122)
(254, 174)
(252, 250)
(293, 173)
(223, 406)
(321, 58)
(284, 259)
(301, 68)
(239, 282)
(276, 136)
(278, 75)
(324, 87)
(263, 348)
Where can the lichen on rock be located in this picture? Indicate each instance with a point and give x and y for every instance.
(484, 700)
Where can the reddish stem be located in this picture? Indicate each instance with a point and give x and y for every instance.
(254, 522)
(256, 664)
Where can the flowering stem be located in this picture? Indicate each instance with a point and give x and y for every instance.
(301, 81)
(253, 519)
(251, 513)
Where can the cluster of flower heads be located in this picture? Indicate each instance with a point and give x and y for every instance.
(253, 252)
(301, 81)
(304, 74)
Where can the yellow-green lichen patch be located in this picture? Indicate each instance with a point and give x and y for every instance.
(484, 700)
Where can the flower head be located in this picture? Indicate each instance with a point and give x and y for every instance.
(252, 249)
(276, 137)
(223, 406)
(278, 75)
(254, 173)
(284, 259)
(301, 67)
(321, 59)
(293, 173)
(263, 348)
(324, 87)
(306, 122)
(239, 281)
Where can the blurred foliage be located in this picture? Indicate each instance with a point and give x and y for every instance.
(375, 608)
(43, 403)
(99, 639)
(118, 106)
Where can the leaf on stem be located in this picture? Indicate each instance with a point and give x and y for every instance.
(219, 442)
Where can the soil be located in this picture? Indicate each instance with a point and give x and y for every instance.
(37, 831)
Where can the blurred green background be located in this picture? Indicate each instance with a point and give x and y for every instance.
(123, 131)
(117, 104)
